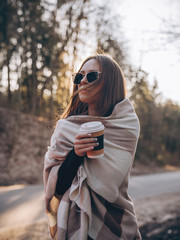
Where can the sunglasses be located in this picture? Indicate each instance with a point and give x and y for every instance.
(91, 77)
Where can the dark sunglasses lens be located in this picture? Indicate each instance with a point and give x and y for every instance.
(78, 78)
(92, 76)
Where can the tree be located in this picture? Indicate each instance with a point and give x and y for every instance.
(147, 109)
(41, 47)
(7, 43)
(107, 37)
(170, 27)
(171, 131)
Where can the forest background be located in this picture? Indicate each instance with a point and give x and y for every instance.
(41, 44)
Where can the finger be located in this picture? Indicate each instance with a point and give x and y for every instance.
(85, 140)
(82, 152)
(81, 146)
(83, 135)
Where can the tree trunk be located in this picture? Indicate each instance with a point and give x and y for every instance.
(9, 81)
(34, 57)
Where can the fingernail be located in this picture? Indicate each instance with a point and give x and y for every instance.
(97, 144)
(95, 139)
(89, 134)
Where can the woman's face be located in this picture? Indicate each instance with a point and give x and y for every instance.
(90, 95)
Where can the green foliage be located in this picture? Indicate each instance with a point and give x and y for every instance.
(159, 140)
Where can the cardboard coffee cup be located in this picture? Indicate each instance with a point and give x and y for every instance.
(97, 131)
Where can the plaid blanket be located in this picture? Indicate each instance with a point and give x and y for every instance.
(97, 205)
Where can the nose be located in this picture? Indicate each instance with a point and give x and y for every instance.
(84, 80)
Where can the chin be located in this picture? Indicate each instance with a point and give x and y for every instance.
(83, 98)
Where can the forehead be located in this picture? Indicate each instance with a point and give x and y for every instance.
(91, 65)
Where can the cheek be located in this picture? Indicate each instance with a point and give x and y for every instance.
(97, 92)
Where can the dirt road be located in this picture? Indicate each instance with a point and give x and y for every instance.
(154, 184)
(23, 206)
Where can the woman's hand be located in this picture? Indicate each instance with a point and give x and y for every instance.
(84, 143)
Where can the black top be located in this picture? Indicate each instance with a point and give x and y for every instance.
(67, 172)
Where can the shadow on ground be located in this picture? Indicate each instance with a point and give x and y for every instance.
(168, 230)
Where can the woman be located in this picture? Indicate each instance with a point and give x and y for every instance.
(87, 198)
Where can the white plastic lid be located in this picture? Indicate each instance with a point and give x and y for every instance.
(91, 127)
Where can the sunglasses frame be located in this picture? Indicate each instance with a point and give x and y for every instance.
(83, 75)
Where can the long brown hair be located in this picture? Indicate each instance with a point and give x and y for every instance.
(112, 91)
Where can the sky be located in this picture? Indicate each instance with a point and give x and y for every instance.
(142, 24)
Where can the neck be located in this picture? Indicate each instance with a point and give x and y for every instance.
(92, 111)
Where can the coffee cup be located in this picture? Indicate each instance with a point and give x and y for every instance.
(96, 129)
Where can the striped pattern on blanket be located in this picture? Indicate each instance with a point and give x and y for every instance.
(97, 205)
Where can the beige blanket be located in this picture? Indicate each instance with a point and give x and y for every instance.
(97, 205)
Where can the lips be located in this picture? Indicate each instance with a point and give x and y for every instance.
(83, 89)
